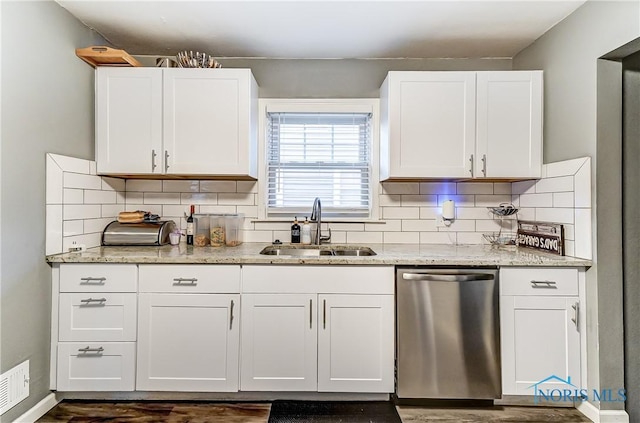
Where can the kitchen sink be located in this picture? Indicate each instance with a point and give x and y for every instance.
(317, 251)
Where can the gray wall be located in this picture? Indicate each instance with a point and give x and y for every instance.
(47, 98)
(339, 78)
(631, 228)
(568, 54)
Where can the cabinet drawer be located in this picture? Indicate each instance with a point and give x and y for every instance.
(97, 317)
(190, 278)
(98, 277)
(88, 366)
(538, 281)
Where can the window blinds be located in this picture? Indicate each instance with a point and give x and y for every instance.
(324, 155)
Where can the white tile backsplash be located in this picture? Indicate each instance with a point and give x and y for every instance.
(54, 191)
(99, 197)
(401, 213)
(556, 184)
(408, 209)
(218, 186)
(400, 188)
(81, 211)
(448, 188)
(72, 164)
(537, 200)
(365, 237)
(401, 237)
(73, 196)
(113, 184)
(475, 188)
(582, 185)
(143, 185)
(72, 227)
(77, 180)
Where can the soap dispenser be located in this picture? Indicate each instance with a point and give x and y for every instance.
(295, 232)
(306, 232)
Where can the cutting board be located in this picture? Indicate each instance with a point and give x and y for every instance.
(106, 56)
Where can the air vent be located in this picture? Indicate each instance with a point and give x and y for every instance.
(14, 386)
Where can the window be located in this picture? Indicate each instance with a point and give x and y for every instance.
(326, 155)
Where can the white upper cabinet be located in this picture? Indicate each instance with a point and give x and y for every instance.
(128, 120)
(509, 122)
(461, 125)
(427, 124)
(200, 122)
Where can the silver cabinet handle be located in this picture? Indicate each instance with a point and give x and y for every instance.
(90, 280)
(100, 301)
(185, 281)
(484, 165)
(544, 284)
(324, 314)
(153, 160)
(310, 314)
(166, 161)
(471, 168)
(446, 277)
(576, 315)
(89, 349)
(231, 316)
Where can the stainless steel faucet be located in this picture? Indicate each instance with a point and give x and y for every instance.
(316, 216)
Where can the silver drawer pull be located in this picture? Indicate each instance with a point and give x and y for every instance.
(544, 284)
(185, 281)
(100, 301)
(576, 315)
(85, 350)
(93, 281)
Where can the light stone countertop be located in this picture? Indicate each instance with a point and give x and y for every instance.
(387, 254)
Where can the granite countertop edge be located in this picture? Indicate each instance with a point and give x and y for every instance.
(386, 254)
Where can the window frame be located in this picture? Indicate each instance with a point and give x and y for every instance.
(368, 105)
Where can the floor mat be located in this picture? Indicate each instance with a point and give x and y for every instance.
(333, 412)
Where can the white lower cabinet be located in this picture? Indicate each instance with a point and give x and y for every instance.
(94, 327)
(313, 340)
(279, 342)
(354, 348)
(188, 328)
(540, 328)
(188, 342)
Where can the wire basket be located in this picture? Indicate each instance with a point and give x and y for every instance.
(504, 209)
(500, 238)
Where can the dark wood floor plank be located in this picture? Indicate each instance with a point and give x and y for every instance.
(212, 412)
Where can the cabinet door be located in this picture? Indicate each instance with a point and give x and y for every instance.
(509, 113)
(279, 342)
(207, 126)
(431, 124)
(355, 343)
(128, 120)
(188, 342)
(539, 341)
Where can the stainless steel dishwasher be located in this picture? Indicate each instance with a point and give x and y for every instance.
(448, 343)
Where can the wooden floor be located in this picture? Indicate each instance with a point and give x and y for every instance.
(200, 412)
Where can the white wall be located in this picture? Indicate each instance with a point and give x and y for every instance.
(568, 54)
(47, 106)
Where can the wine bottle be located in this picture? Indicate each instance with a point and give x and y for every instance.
(295, 232)
(190, 226)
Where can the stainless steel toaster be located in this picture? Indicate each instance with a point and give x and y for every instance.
(116, 233)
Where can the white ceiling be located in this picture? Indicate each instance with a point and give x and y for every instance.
(323, 29)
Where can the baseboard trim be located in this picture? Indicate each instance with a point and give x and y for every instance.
(602, 416)
(39, 410)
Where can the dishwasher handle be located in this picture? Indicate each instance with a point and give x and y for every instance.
(447, 277)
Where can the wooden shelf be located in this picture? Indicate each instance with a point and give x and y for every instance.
(106, 56)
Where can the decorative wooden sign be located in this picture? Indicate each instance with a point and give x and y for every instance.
(541, 236)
